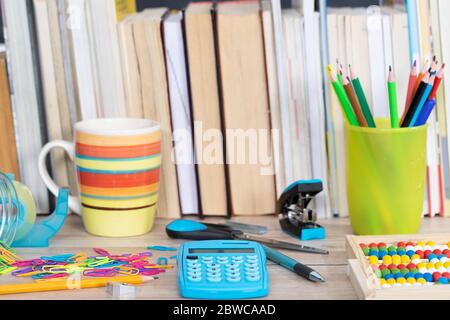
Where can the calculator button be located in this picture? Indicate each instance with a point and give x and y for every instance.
(237, 258)
(195, 267)
(192, 257)
(252, 257)
(213, 265)
(233, 279)
(195, 278)
(251, 269)
(207, 259)
(232, 265)
(233, 274)
(194, 273)
(252, 273)
(233, 270)
(251, 264)
(214, 279)
(223, 261)
(212, 270)
(253, 278)
(214, 274)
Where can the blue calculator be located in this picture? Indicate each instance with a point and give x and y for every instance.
(222, 269)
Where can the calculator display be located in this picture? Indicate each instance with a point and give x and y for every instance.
(211, 250)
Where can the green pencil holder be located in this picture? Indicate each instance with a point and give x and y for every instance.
(386, 171)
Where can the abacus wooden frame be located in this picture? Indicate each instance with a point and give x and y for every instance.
(363, 278)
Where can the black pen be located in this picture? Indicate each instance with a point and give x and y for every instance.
(293, 265)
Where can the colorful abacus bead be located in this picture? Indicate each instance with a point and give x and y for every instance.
(396, 259)
(387, 260)
(373, 259)
(428, 277)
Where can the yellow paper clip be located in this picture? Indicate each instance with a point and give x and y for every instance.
(79, 257)
(100, 262)
(9, 255)
(54, 269)
(128, 270)
(29, 274)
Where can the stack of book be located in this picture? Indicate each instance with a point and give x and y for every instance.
(236, 87)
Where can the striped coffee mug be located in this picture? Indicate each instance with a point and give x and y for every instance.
(118, 166)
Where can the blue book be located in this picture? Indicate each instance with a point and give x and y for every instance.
(413, 26)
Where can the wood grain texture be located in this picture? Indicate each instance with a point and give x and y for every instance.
(283, 284)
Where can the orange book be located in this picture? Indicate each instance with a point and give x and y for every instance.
(8, 156)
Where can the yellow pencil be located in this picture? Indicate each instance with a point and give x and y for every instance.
(70, 284)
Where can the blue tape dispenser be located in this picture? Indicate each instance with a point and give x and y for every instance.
(19, 225)
(294, 215)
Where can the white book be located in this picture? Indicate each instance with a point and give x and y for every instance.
(24, 96)
(274, 98)
(181, 113)
(283, 86)
(50, 89)
(337, 44)
(315, 105)
(105, 44)
(81, 52)
(377, 64)
(299, 124)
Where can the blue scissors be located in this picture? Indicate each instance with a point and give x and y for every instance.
(192, 230)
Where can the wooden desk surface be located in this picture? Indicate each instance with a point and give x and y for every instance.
(283, 283)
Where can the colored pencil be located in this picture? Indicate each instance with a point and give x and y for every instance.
(425, 113)
(437, 82)
(362, 98)
(423, 100)
(354, 102)
(339, 72)
(422, 73)
(342, 97)
(416, 101)
(431, 102)
(411, 89)
(392, 92)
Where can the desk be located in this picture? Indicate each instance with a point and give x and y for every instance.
(283, 284)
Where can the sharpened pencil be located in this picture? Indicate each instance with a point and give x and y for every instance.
(354, 102)
(416, 101)
(342, 97)
(437, 82)
(392, 92)
(422, 73)
(362, 98)
(411, 89)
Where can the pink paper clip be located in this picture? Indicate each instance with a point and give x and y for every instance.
(55, 276)
(25, 263)
(102, 252)
(100, 273)
(151, 272)
(146, 254)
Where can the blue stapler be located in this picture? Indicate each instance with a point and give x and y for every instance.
(294, 215)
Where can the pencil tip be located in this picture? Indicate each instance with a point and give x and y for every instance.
(415, 63)
(390, 68)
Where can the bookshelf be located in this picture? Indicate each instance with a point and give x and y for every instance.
(96, 76)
